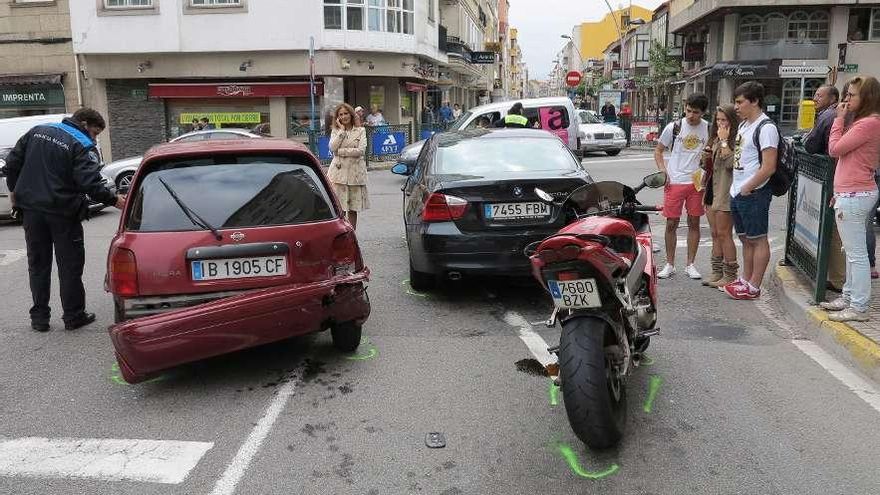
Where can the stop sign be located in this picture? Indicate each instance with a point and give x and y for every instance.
(573, 78)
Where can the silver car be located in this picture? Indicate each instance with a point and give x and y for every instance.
(598, 136)
(122, 171)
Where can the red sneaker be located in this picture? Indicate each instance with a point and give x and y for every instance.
(742, 292)
(733, 285)
(875, 274)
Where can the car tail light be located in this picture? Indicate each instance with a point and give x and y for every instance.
(123, 273)
(565, 253)
(346, 255)
(444, 208)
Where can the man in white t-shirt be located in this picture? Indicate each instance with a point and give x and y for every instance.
(686, 138)
(750, 193)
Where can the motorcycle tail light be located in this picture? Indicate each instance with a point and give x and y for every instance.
(565, 253)
(566, 276)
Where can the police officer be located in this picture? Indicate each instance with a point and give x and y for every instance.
(514, 118)
(50, 171)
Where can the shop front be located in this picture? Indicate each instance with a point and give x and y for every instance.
(21, 96)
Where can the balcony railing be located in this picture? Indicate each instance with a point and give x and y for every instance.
(455, 46)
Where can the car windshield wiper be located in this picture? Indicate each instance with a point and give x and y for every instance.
(190, 213)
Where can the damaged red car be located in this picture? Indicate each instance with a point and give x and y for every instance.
(225, 245)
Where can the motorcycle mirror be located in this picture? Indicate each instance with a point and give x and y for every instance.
(655, 180)
(544, 195)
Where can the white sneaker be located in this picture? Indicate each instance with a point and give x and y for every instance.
(838, 304)
(667, 271)
(692, 272)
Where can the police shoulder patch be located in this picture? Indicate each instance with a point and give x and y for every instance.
(93, 156)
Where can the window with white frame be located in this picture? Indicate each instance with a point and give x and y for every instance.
(798, 26)
(818, 30)
(375, 15)
(791, 95)
(751, 28)
(127, 4)
(430, 10)
(215, 3)
(875, 25)
(399, 16)
(348, 13)
(393, 16)
(776, 25)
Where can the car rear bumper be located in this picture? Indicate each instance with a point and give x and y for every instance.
(146, 346)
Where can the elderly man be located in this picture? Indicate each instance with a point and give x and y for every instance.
(826, 98)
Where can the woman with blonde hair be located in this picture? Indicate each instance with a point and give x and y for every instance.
(348, 170)
(855, 142)
(719, 164)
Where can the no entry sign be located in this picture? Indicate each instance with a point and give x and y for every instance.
(573, 78)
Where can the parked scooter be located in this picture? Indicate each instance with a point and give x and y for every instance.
(599, 270)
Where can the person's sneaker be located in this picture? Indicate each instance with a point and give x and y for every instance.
(742, 292)
(667, 271)
(83, 320)
(849, 314)
(838, 304)
(875, 274)
(736, 283)
(692, 272)
(40, 327)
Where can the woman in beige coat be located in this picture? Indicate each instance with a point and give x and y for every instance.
(723, 142)
(348, 170)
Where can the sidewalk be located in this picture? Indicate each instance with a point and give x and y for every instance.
(855, 343)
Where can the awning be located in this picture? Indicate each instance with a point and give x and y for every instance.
(234, 90)
(38, 79)
(415, 87)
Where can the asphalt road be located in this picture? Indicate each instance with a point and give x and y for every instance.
(739, 409)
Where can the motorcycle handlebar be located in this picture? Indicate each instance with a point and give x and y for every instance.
(648, 208)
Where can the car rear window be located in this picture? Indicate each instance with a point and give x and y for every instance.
(504, 154)
(230, 192)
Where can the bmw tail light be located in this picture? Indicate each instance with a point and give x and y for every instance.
(346, 255)
(123, 273)
(444, 208)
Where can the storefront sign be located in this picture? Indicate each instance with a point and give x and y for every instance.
(26, 95)
(483, 57)
(808, 213)
(803, 70)
(222, 117)
(849, 68)
(745, 70)
(140, 94)
(645, 131)
(324, 152)
(388, 143)
(234, 90)
(694, 52)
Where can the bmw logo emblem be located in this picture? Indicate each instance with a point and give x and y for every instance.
(517, 191)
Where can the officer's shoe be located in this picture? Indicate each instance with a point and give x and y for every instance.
(83, 320)
(40, 327)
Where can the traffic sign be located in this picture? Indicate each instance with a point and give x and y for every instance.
(573, 78)
(849, 68)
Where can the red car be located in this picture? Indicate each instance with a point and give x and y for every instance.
(225, 245)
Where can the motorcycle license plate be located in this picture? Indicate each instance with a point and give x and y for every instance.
(575, 294)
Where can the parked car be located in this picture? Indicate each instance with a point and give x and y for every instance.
(122, 171)
(469, 207)
(555, 114)
(599, 136)
(225, 245)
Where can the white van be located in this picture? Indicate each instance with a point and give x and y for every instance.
(555, 114)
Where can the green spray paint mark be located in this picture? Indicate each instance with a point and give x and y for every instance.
(554, 394)
(411, 292)
(371, 351)
(653, 388)
(646, 361)
(575, 465)
(116, 376)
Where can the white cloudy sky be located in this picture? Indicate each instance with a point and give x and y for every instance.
(541, 22)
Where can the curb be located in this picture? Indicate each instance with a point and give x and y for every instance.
(380, 165)
(838, 339)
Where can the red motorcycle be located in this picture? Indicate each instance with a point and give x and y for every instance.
(599, 270)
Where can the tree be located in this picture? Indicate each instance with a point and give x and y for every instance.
(664, 67)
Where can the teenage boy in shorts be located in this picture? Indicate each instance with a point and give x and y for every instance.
(686, 138)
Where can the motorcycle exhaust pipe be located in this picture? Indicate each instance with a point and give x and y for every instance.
(454, 276)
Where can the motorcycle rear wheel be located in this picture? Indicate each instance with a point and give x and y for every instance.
(594, 396)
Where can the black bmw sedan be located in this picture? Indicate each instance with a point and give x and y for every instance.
(469, 205)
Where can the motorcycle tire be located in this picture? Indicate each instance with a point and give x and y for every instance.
(595, 400)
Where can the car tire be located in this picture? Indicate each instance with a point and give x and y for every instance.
(123, 182)
(612, 152)
(421, 281)
(346, 336)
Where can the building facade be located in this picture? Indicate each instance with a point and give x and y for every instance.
(245, 62)
(472, 49)
(593, 38)
(38, 72)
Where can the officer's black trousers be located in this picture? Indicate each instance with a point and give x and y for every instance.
(43, 231)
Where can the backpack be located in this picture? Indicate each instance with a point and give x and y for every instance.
(676, 130)
(780, 181)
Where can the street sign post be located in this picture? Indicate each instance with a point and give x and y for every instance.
(573, 78)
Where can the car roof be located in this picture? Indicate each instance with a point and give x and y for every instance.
(527, 102)
(240, 132)
(451, 138)
(224, 146)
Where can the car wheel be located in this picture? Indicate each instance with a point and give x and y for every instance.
(613, 152)
(421, 281)
(346, 336)
(123, 182)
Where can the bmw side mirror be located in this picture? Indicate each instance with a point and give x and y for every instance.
(400, 169)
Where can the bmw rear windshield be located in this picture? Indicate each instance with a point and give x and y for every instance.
(501, 154)
(229, 192)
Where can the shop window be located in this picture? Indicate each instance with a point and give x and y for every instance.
(864, 25)
(791, 97)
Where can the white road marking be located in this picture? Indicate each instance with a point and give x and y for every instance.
(236, 469)
(532, 340)
(10, 256)
(855, 383)
(153, 461)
